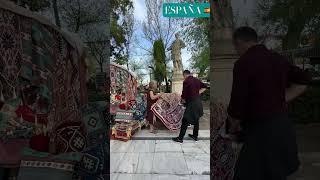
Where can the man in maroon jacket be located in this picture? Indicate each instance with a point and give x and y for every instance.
(192, 89)
(263, 83)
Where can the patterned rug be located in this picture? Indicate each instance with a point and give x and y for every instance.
(223, 158)
(224, 151)
(121, 78)
(42, 84)
(169, 111)
(218, 115)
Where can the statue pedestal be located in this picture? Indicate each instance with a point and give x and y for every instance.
(177, 83)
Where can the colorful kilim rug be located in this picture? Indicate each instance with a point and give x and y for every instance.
(140, 108)
(169, 111)
(42, 79)
(123, 79)
(95, 160)
(124, 116)
(36, 165)
(124, 131)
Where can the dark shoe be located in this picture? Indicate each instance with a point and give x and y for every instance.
(193, 137)
(177, 139)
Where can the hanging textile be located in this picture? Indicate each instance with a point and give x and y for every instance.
(42, 87)
(124, 80)
(169, 110)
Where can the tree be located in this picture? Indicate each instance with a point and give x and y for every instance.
(201, 61)
(159, 57)
(196, 32)
(78, 15)
(289, 18)
(136, 67)
(88, 19)
(118, 35)
(156, 28)
(128, 29)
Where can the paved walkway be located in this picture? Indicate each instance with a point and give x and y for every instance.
(160, 159)
(309, 151)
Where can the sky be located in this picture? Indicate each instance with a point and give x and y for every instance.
(140, 16)
(242, 8)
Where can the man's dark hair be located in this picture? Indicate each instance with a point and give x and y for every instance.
(186, 72)
(245, 34)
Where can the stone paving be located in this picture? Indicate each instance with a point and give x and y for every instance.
(309, 152)
(154, 156)
(160, 159)
(166, 135)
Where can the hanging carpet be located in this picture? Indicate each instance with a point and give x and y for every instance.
(169, 110)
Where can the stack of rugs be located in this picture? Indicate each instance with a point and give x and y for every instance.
(125, 125)
(128, 122)
(169, 110)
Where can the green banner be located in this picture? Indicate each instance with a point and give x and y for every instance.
(186, 10)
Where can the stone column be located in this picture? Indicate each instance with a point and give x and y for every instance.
(222, 58)
(222, 54)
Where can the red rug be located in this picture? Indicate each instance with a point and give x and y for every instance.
(169, 111)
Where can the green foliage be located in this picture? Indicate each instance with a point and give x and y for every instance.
(197, 34)
(119, 9)
(121, 60)
(118, 36)
(159, 56)
(290, 18)
(200, 61)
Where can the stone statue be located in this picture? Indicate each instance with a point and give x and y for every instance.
(175, 49)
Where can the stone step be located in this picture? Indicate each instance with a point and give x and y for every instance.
(167, 135)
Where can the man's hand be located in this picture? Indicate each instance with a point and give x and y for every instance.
(294, 91)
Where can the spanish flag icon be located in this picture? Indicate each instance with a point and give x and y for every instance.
(206, 10)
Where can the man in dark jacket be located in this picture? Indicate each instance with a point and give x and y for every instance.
(263, 83)
(192, 89)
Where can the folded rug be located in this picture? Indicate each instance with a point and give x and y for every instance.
(169, 110)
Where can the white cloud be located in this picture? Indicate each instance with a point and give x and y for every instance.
(139, 10)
